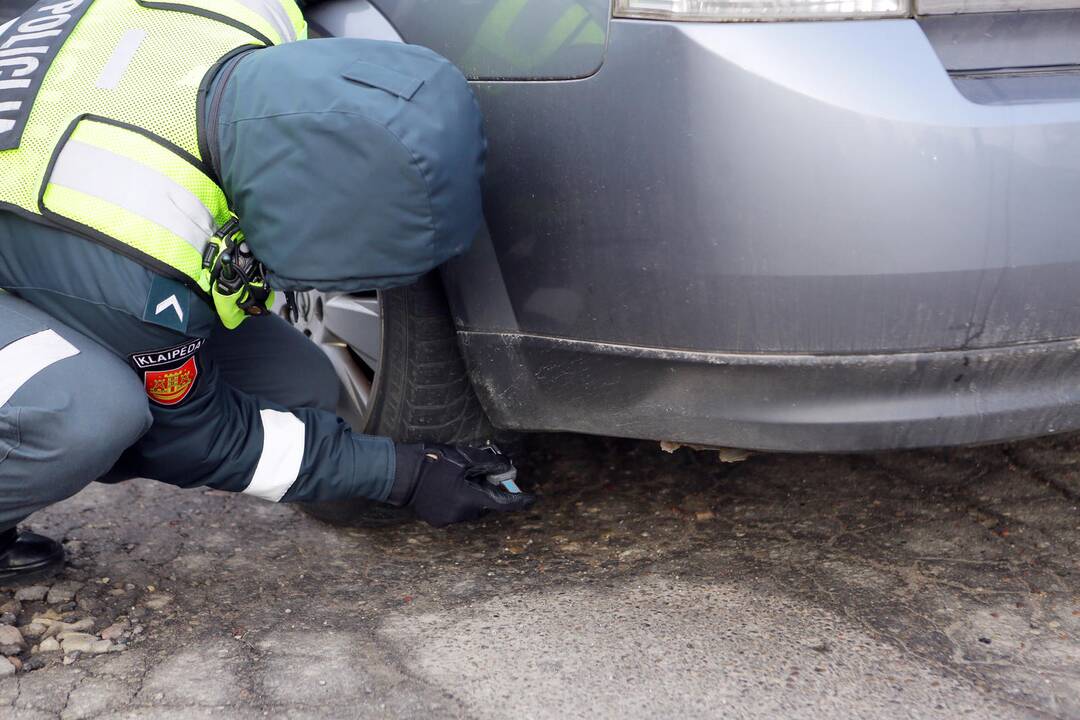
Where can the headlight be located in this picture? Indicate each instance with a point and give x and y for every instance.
(751, 10)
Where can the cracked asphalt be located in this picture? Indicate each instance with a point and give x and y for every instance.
(920, 584)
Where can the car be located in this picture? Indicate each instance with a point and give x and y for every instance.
(771, 225)
(798, 226)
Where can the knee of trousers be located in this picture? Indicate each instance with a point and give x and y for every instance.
(322, 387)
(267, 358)
(307, 380)
(73, 423)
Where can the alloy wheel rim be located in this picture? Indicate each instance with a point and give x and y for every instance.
(348, 329)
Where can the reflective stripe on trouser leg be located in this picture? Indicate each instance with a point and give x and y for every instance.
(26, 357)
(135, 187)
(272, 12)
(282, 454)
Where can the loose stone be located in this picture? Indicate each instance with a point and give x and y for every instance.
(114, 631)
(34, 629)
(83, 643)
(49, 645)
(6, 668)
(11, 640)
(31, 593)
(158, 601)
(56, 627)
(63, 592)
(11, 606)
(34, 663)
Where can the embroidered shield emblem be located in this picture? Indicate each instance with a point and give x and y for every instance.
(169, 374)
(169, 387)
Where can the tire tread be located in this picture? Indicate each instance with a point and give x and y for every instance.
(426, 394)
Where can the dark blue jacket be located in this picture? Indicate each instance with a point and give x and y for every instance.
(214, 437)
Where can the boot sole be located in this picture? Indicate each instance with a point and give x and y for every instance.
(30, 574)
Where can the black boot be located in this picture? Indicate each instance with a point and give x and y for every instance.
(26, 556)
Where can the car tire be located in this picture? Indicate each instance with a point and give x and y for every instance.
(420, 392)
(424, 393)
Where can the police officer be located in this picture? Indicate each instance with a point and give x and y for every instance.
(162, 166)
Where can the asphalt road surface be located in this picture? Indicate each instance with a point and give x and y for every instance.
(928, 584)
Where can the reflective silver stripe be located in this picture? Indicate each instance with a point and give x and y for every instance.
(282, 454)
(272, 12)
(26, 357)
(120, 59)
(134, 187)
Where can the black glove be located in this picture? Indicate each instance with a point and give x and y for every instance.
(445, 484)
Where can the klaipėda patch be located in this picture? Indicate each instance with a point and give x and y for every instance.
(169, 375)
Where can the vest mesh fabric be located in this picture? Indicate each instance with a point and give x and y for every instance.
(117, 222)
(157, 92)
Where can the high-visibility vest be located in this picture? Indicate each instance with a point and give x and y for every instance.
(101, 122)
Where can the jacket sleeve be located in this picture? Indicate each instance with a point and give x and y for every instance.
(220, 437)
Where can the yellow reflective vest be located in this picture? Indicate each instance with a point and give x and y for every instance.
(101, 122)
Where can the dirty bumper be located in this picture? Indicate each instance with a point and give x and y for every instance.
(778, 402)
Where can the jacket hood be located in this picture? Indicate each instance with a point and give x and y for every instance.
(351, 164)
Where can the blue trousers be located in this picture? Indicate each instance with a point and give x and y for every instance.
(70, 408)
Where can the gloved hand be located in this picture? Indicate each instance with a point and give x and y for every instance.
(446, 484)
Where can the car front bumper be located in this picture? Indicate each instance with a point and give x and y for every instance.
(788, 403)
(783, 236)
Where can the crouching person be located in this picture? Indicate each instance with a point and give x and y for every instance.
(162, 173)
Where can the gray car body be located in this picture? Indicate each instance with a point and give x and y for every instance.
(824, 236)
(827, 236)
(830, 236)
